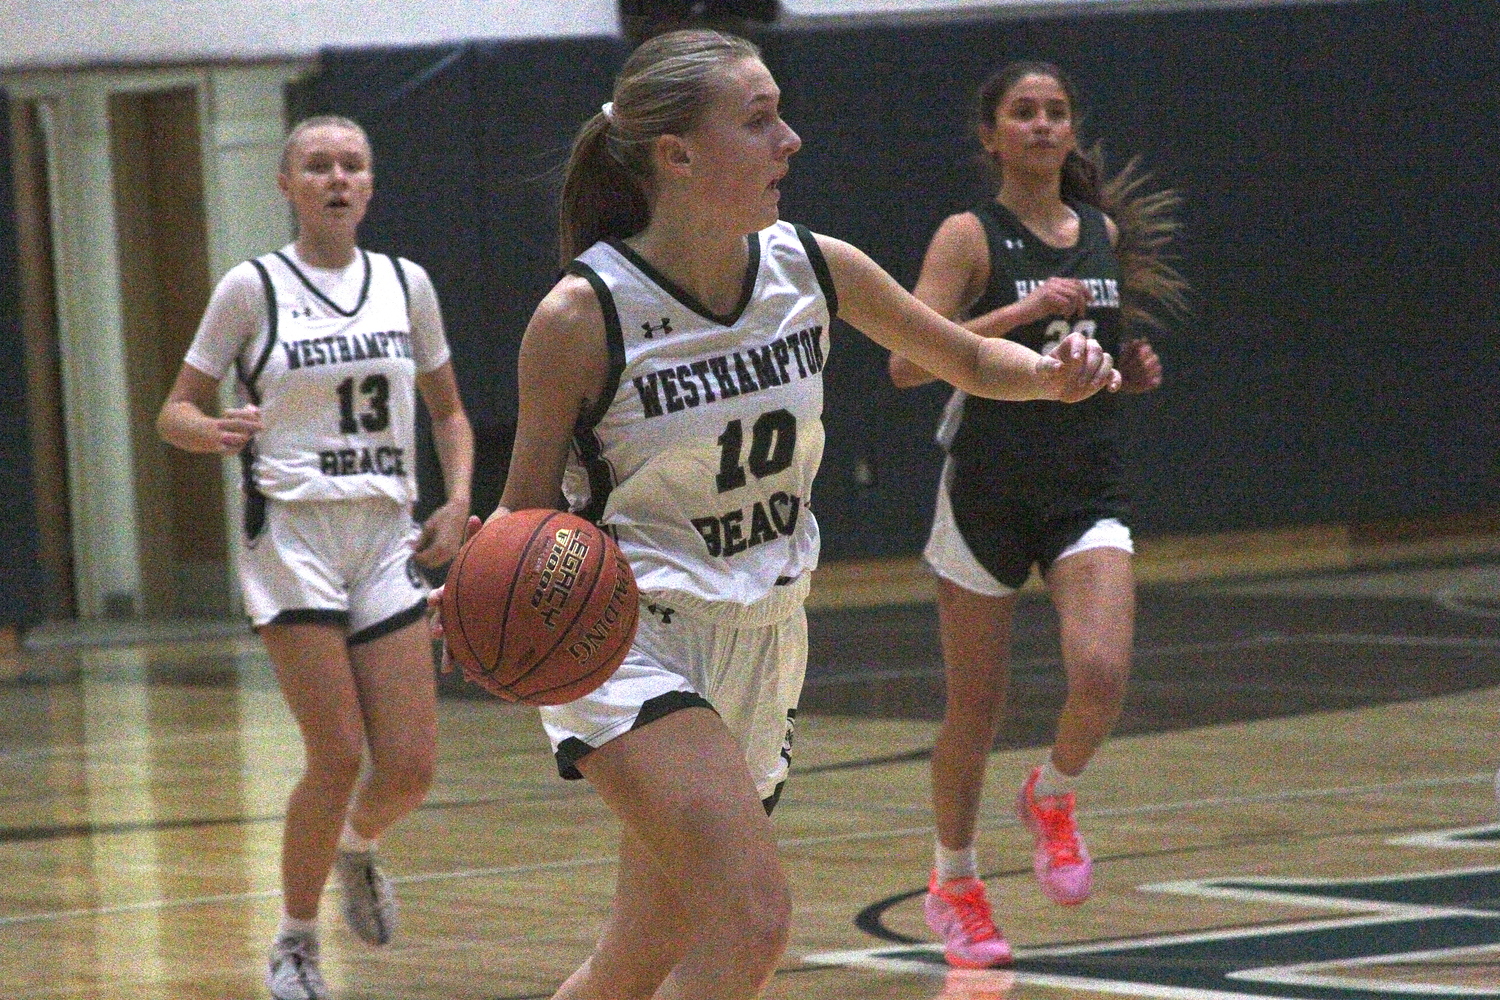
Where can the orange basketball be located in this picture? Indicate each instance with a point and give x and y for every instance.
(539, 607)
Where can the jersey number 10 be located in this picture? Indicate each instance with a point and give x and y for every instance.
(773, 439)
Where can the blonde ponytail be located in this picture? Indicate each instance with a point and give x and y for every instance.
(600, 197)
(662, 89)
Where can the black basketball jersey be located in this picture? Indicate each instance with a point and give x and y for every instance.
(1041, 431)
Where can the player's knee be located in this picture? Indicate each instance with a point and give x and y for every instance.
(335, 764)
(764, 919)
(407, 775)
(634, 982)
(417, 772)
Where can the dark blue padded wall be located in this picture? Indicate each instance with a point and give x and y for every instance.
(1336, 161)
(20, 596)
(468, 141)
(1339, 226)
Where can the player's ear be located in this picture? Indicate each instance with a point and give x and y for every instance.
(673, 154)
(988, 138)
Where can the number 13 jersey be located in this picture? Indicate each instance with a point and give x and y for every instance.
(331, 358)
(702, 462)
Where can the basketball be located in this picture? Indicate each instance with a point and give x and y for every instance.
(539, 607)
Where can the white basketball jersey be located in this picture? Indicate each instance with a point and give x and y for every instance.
(702, 463)
(336, 386)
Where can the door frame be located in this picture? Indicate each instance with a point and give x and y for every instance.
(242, 125)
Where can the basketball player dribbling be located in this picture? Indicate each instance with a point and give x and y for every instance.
(1034, 483)
(671, 388)
(330, 345)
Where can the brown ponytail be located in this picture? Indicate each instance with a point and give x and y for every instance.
(600, 198)
(1151, 289)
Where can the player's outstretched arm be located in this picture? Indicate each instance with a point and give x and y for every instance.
(954, 271)
(874, 303)
(954, 274)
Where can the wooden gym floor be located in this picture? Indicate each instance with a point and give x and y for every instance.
(1299, 802)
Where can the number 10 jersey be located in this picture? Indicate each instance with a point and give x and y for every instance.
(702, 461)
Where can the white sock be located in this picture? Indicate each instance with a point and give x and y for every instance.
(291, 925)
(1052, 781)
(952, 864)
(351, 841)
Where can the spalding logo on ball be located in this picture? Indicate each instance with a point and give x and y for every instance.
(539, 607)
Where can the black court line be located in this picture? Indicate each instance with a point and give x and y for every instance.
(1204, 656)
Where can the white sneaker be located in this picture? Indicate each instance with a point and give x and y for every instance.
(369, 901)
(293, 972)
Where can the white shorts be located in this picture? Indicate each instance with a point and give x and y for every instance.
(949, 556)
(744, 662)
(337, 562)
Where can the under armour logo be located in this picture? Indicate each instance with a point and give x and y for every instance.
(1014, 245)
(663, 328)
(662, 611)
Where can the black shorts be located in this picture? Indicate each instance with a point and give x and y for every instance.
(1008, 523)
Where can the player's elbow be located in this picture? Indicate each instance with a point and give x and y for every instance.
(905, 374)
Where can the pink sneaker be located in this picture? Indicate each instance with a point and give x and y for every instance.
(1060, 860)
(958, 911)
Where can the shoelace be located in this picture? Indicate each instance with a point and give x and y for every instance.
(366, 870)
(973, 913)
(298, 953)
(1060, 832)
(304, 963)
(377, 896)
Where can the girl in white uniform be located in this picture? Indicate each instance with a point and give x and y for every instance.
(329, 345)
(671, 384)
(702, 466)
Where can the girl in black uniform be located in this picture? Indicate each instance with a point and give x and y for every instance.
(1033, 483)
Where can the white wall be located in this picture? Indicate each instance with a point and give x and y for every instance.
(38, 34)
(828, 10)
(45, 34)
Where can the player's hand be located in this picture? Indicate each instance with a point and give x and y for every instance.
(1067, 297)
(435, 604)
(1140, 368)
(1082, 368)
(234, 429)
(443, 534)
